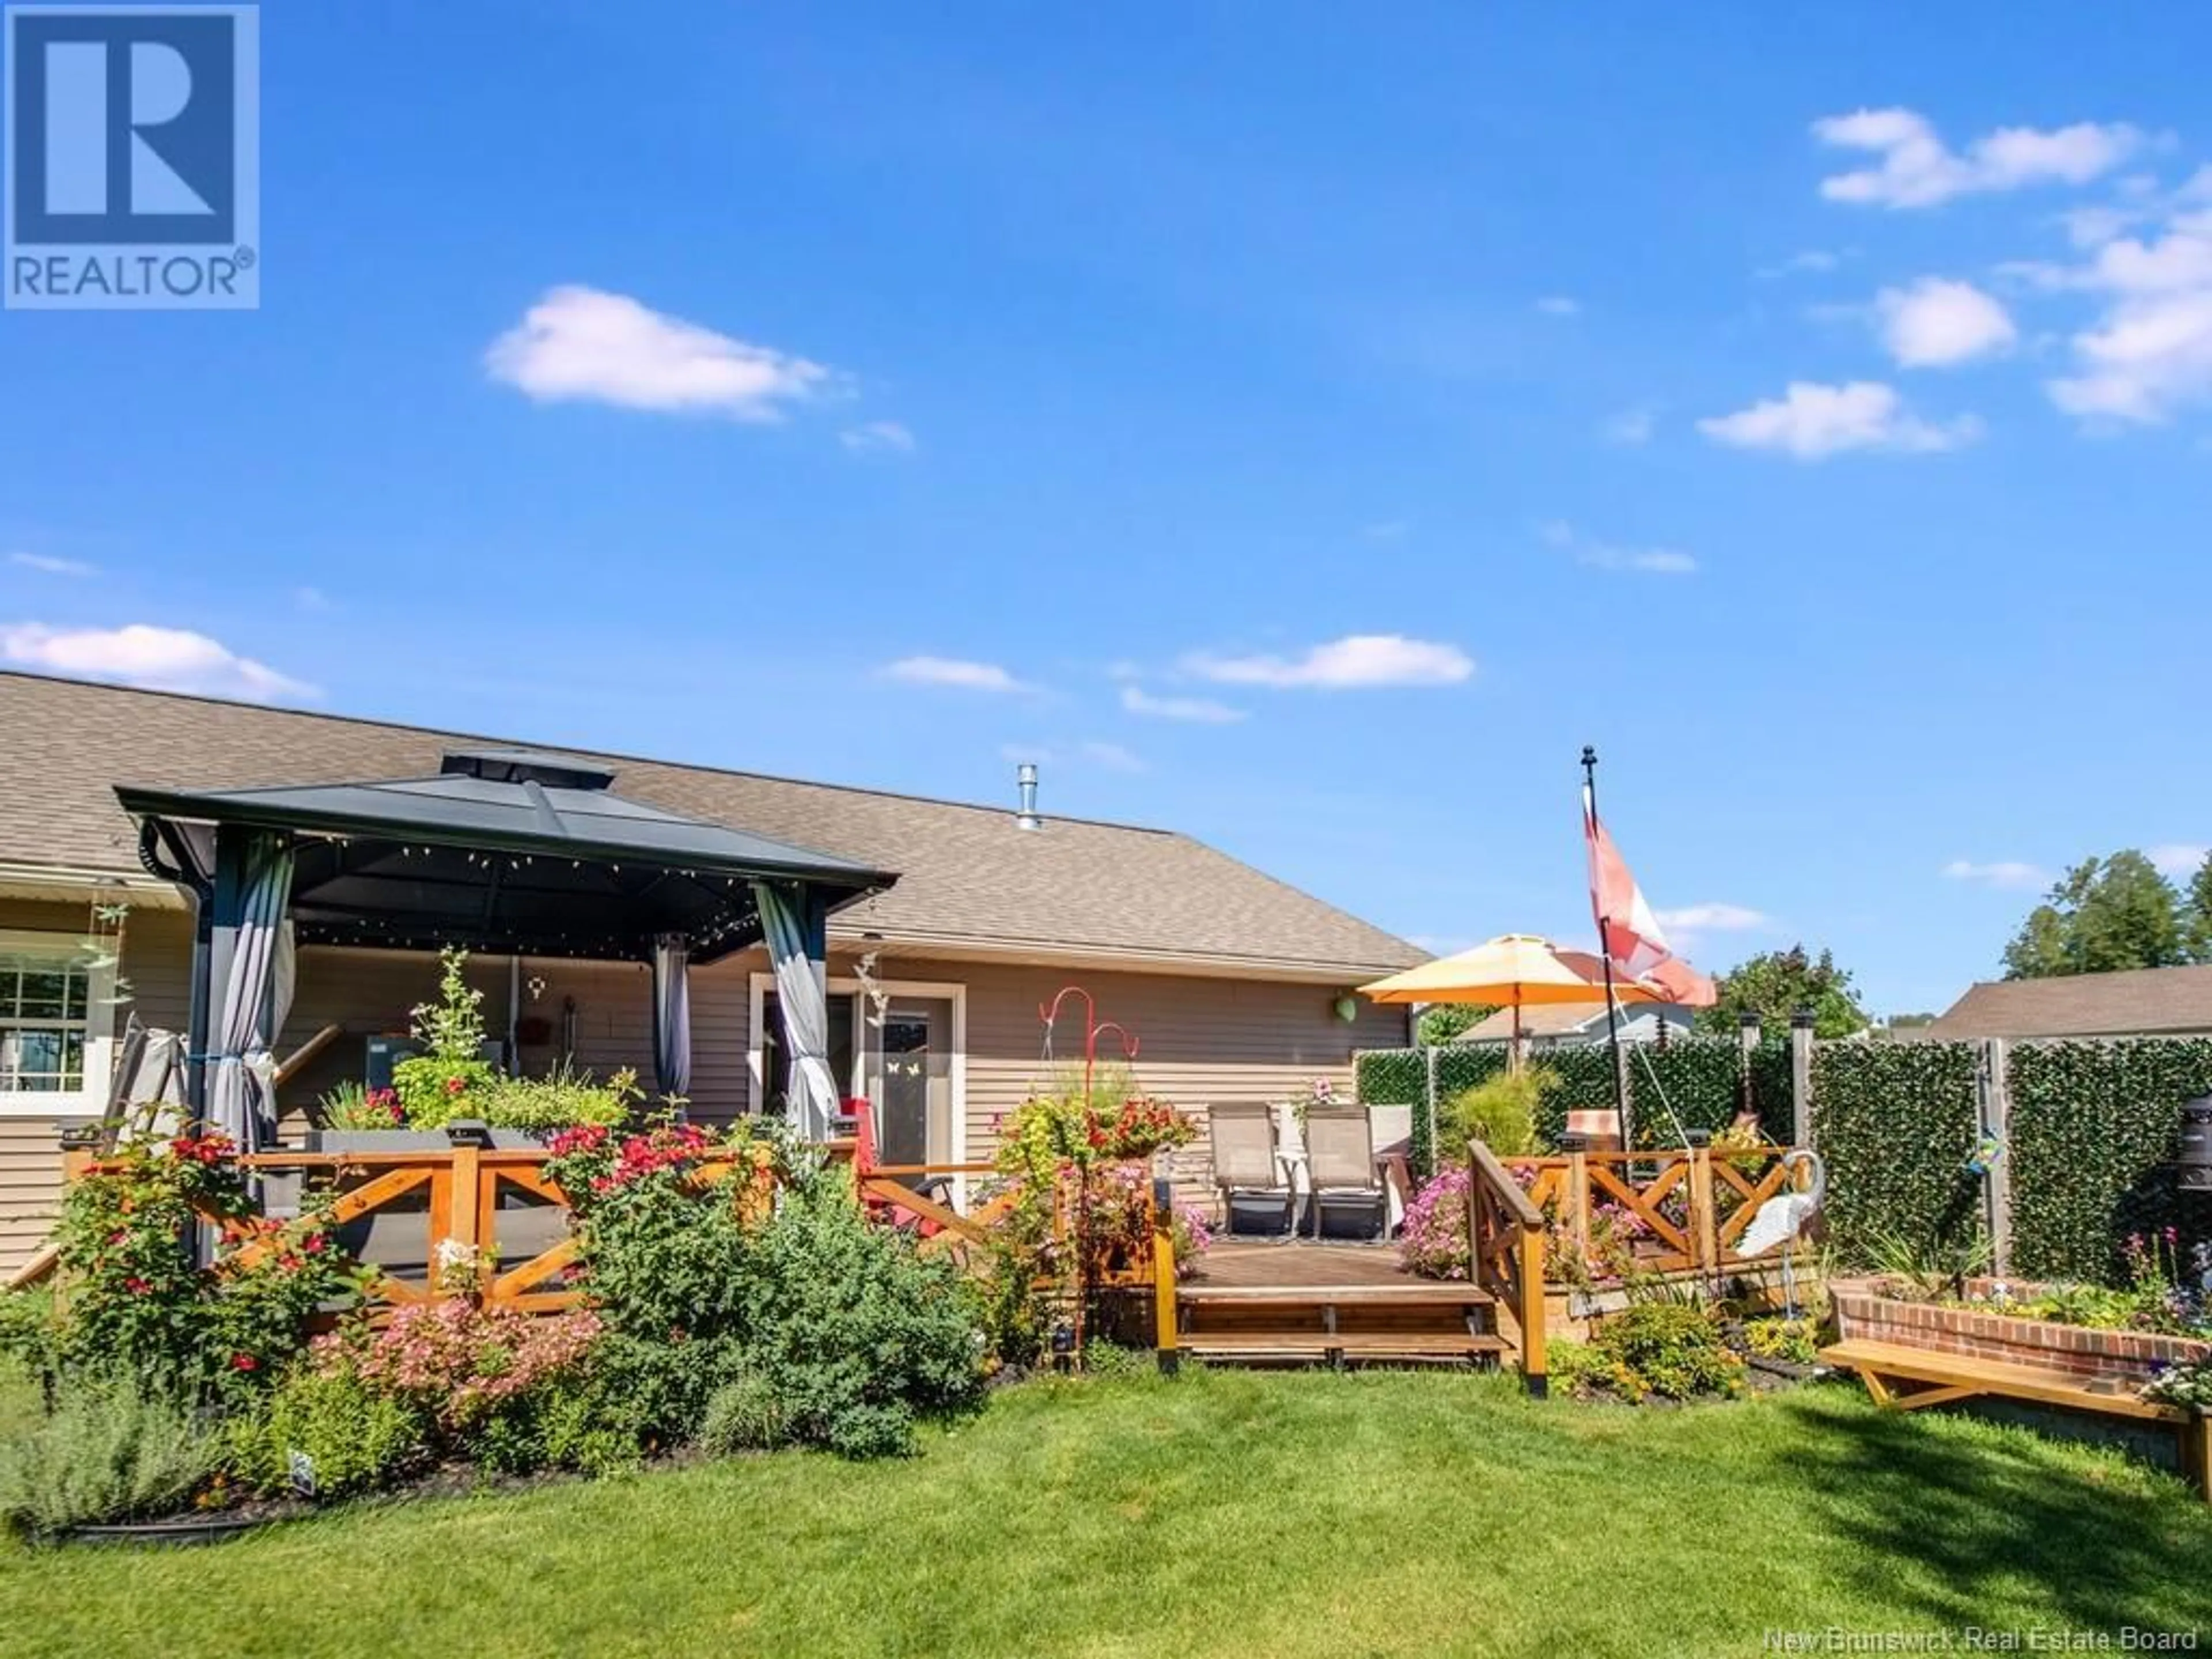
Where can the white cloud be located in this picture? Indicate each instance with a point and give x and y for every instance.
(952, 671)
(2004, 872)
(1604, 556)
(2148, 353)
(2179, 857)
(1716, 918)
(583, 344)
(877, 437)
(1810, 420)
(1356, 661)
(160, 658)
(1111, 755)
(47, 565)
(1558, 305)
(1937, 322)
(1918, 169)
(1631, 426)
(1202, 711)
(1386, 530)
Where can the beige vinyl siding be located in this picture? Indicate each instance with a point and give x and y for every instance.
(1200, 1040)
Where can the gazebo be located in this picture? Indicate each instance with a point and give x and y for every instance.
(506, 851)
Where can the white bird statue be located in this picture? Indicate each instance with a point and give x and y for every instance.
(1782, 1218)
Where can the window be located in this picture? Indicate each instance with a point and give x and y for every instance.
(56, 1012)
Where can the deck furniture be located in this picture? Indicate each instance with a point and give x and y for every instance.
(1247, 1165)
(1341, 1153)
(1906, 1378)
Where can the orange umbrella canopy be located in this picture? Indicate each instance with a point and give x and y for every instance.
(1514, 970)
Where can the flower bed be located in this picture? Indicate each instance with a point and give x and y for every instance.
(1987, 1325)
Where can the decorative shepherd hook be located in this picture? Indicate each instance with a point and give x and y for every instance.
(1093, 1027)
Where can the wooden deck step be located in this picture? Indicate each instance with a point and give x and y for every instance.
(1347, 1344)
(1432, 1294)
(1959, 1376)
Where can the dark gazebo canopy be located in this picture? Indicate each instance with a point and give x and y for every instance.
(505, 851)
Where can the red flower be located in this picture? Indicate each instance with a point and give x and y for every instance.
(135, 1285)
(313, 1243)
(243, 1362)
(118, 1236)
(455, 1085)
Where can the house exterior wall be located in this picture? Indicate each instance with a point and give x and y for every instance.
(1201, 1040)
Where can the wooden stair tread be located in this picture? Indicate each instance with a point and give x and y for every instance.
(1994, 1377)
(1352, 1344)
(1433, 1295)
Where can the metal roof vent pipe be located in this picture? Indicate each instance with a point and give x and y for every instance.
(1025, 776)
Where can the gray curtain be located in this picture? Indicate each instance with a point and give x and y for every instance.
(672, 1014)
(802, 992)
(251, 898)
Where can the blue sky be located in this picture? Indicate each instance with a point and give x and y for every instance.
(1300, 427)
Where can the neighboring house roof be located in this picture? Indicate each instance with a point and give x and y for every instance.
(1561, 1019)
(2137, 1001)
(970, 880)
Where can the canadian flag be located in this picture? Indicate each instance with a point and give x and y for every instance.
(1628, 931)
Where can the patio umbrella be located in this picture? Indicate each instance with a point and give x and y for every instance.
(1514, 970)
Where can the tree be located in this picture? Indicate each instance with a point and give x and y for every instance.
(1440, 1024)
(1775, 984)
(2102, 916)
(2198, 920)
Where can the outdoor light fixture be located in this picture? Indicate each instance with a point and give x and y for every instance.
(470, 1132)
(1063, 1347)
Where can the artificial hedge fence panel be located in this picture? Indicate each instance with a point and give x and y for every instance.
(1895, 1123)
(2094, 1130)
(1694, 1083)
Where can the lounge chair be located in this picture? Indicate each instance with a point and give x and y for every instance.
(1341, 1153)
(1246, 1164)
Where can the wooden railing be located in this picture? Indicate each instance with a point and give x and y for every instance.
(452, 1197)
(1505, 1250)
(1692, 1204)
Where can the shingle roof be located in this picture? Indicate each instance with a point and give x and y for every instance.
(968, 877)
(2142, 999)
(1544, 1019)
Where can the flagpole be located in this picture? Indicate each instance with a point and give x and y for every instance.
(1605, 956)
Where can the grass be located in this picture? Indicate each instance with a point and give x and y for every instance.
(1222, 1513)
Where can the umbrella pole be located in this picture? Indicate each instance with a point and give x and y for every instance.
(1513, 1047)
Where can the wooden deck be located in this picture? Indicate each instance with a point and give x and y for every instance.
(1255, 1264)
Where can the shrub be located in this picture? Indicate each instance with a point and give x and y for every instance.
(459, 1365)
(108, 1453)
(1500, 1112)
(140, 1306)
(354, 1105)
(1434, 1241)
(356, 1437)
(743, 1416)
(1673, 1349)
(856, 1335)
(666, 1256)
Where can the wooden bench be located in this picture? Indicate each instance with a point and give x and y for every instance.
(1941, 1378)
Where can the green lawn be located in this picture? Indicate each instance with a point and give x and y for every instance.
(1221, 1514)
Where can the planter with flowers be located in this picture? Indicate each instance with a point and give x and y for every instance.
(2152, 1334)
(449, 1082)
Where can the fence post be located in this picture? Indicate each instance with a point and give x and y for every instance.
(1163, 1276)
(1578, 1207)
(1530, 1315)
(1801, 1077)
(1429, 1109)
(1705, 1233)
(1993, 1112)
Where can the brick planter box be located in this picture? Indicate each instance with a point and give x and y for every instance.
(2116, 1358)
